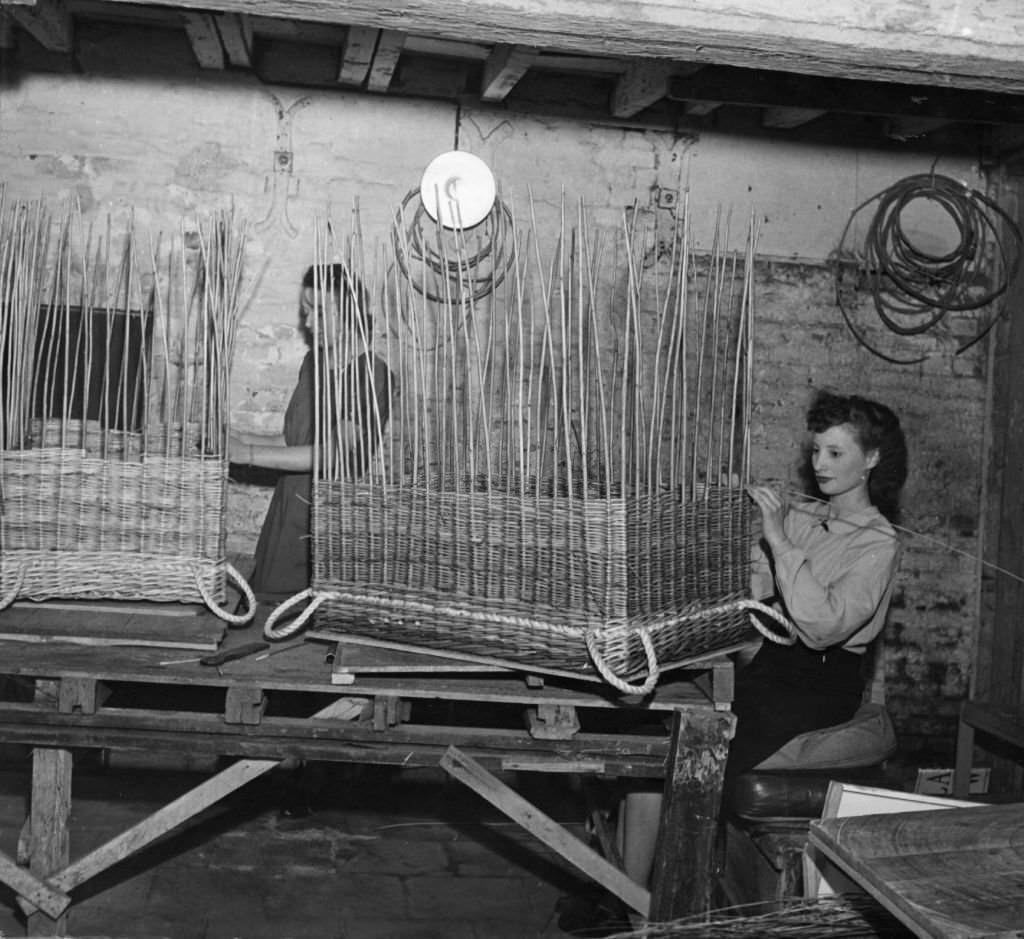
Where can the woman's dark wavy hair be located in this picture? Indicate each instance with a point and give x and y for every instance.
(355, 298)
(876, 427)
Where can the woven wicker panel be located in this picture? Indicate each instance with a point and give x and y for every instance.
(524, 578)
(79, 525)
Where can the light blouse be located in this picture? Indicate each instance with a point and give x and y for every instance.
(836, 579)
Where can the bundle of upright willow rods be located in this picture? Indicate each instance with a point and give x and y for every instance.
(558, 485)
(115, 356)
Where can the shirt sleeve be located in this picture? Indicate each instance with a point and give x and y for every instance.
(762, 583)
(827, 611)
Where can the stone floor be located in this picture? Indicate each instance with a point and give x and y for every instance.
(385, 854)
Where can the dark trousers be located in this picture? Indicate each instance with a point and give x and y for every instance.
(786, 691)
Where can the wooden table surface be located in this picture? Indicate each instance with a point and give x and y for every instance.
(948, 874)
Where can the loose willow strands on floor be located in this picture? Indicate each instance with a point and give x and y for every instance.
(847, 916)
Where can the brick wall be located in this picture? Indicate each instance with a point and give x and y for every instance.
(169, 150)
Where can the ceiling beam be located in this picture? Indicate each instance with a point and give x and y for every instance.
(47, 21)
(504, 67)
(926, 42)
(883, 99)
(235, 31)
(642, 84)
(356, 55)
(385, 59)
(201, 29)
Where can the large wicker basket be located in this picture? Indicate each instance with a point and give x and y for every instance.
(102, 521)
(552, 584)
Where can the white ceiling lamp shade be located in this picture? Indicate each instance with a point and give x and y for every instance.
(457, 189)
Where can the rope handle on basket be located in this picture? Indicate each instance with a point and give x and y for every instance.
(8, 598)
(654, 672)
(785, 640)
(289, 629)
(236, 619)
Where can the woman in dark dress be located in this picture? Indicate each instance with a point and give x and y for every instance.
(282, 558)
(283, 562)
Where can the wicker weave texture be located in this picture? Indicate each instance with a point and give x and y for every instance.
(523, 578)
(78, 525)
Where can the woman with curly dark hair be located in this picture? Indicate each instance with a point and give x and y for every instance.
(829, 563)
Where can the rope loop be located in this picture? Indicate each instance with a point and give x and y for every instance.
(235, 619)
(653, 672)
(270, 628)
(788, 639)
(8, 598)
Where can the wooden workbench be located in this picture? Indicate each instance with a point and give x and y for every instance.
(285, 705)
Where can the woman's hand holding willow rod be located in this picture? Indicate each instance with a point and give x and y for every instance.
(773, 513)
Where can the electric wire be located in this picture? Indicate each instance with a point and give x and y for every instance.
(482, 271)
(913, 289)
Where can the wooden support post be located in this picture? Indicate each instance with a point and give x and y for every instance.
(683, 861)
(77, 694)
(51, 806)
(244, 705)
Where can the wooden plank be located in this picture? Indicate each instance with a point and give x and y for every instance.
(173, 814)
(353, 658)
(642, 84)
(117, 607)
(385, 59)
(49, 813)
(32, 888)
(504, 67)
(235, 31)
(544, 828)
(930, 42)
(136, 626)
(356, 55)
(681, 874)
(201, 29)
(952, 873)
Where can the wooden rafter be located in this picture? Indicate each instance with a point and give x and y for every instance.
(235, 31)
(357, 55)
(385, 60)
(201, 29)
(641, 85)
(504, 67)
(922, 43)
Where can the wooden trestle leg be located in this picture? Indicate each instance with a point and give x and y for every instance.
(685, 853)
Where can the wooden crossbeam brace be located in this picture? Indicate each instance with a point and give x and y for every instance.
(154, 826)
(526, 815)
